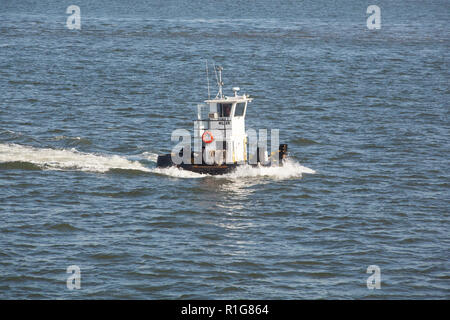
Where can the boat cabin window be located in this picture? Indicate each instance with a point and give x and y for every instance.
(224, 109)
(240, 108)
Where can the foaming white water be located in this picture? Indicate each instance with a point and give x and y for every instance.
(290, 169)
(52, 159)
(72, 159)
(150, 156)
(178, 173)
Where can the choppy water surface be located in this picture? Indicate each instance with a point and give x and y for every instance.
(83, 115)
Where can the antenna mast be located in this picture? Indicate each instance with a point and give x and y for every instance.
(219, 82)
(207, 78)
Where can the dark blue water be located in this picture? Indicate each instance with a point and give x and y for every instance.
(83, 114)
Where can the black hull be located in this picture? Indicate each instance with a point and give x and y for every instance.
(209, 169)
(201, 168)
(165, 161)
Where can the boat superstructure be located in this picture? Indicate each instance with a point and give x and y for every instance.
(220, 137)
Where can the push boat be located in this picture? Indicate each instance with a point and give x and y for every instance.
(220, 138)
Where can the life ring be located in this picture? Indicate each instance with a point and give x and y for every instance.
(207, 137)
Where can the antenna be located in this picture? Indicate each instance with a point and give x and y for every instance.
(215, 71)
(219, 81)
(207, 79)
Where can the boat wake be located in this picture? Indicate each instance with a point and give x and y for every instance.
(51, 159)
(290, 169)
(14, 156)
(178, 173)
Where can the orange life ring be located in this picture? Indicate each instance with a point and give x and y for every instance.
(207, 137)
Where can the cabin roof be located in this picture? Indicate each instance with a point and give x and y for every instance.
(232, 99)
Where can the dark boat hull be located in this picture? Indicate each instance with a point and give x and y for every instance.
(165, 161)
(209, 169)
